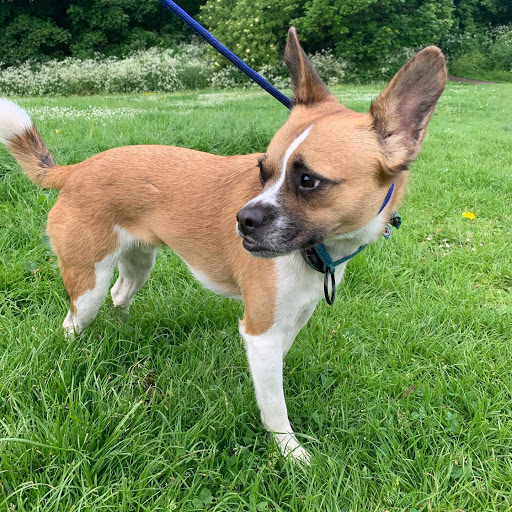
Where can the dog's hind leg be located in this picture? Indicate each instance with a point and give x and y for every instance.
(87, 258)
(135, 265)
(87, 286)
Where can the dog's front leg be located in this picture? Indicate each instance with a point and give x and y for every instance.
(265, 356)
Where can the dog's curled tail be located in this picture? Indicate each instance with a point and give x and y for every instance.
(23, 141)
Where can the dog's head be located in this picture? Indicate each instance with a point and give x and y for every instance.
(327, 170)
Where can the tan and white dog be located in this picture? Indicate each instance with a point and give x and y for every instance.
(323, 178)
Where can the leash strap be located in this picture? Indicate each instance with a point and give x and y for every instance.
(387, 198)
(234, 59)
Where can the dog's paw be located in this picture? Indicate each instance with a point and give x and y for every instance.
(291, 448)
(71, 327)
(121, 294)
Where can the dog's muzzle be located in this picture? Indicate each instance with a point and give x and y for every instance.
(267, 230)
(251, 221)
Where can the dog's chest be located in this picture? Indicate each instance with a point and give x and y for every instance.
(299, 287)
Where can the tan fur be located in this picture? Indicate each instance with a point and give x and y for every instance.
(409, 99)
(365, 153)
(183, 198)
(307, 85)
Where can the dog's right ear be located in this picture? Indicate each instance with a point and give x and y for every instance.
(307, 86)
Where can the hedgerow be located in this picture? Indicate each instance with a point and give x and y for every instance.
(186, 67)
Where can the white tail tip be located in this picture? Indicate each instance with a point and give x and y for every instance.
(13, 120)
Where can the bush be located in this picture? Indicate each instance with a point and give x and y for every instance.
(151, 70)
(499, 56)
(253, 29)
(487, 58)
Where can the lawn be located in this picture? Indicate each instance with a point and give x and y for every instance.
(402, 391)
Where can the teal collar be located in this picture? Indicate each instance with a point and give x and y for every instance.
(318, 258)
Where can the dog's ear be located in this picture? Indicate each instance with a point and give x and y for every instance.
(402, 111)
(307, 86)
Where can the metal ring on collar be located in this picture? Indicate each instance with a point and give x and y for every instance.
(329, 298)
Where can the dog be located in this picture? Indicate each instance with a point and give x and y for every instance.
(241, 223)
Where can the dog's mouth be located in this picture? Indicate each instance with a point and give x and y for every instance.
(271, 243)
(262, 250)
(255, 247)
(259, 250)
(249, 243)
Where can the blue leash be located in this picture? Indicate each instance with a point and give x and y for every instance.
(239, 63)
(316, 257)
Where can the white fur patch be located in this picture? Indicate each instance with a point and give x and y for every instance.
(13, 120)
(269, 196)
(265, 357)
(87, 305)
(135, 265)
(299, 288)
(368, 233)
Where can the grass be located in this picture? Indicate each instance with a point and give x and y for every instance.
(404, 385)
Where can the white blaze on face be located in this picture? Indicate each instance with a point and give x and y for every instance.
(269, 196)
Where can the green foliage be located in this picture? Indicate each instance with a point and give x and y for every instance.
(112, 27)
(29, 37)
(500, 52)
(372, 37)
(253, 29)
(166, 70)
(80, 28)
(475, 16)
(143, 71)
(368, 32)
(489, 57)
(368, 35)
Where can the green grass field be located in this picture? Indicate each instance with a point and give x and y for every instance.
(402, 391)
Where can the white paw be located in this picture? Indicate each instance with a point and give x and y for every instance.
(120, 293)
(290, 447)
(71, 326)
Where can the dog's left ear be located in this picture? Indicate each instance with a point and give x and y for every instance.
(307, 86)
(402, 111)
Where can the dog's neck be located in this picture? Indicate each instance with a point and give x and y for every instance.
(347, 243)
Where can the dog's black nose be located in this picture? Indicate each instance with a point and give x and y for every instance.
(249, 218)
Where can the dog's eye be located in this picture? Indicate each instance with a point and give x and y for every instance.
(309, 182)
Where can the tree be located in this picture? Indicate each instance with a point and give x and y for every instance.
(56, 28)
(30, 31)
(366, 30)
(254, 29)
